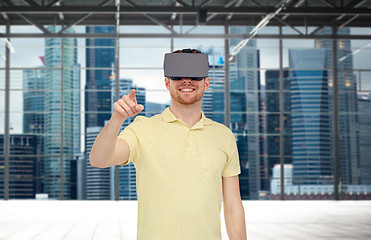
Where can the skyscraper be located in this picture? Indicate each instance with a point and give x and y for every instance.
(245, 105)
(311, 142)
(349, 169)
(98, 180)
(272, 103)
(213, 98)
(34, 117)
(62, 112)
(22, 169)
(100, 57)
(364, 106)
(33, 100)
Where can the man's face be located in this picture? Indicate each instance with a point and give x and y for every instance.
(187, 91)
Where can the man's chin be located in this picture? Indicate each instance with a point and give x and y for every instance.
(186, 101)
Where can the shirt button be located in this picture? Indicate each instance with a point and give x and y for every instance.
(190, 143)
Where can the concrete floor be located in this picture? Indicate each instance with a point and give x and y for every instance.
(110, 220)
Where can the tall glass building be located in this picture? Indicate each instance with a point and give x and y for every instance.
(33, 100)
(311, 139)
(349, 159)
(364, 103)
(62, 117)
(34, 116)
(245, 122)
(100, 59)
(98, 180)
(272, 104)
(23, 167)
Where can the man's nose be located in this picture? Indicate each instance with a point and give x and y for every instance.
(185, 80)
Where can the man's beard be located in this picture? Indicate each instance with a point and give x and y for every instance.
(186, 100)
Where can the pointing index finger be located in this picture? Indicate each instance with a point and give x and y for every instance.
(132, 96)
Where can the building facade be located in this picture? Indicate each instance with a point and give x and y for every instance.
(23, 170)
(62, 113)
(311, 136)
(272, 104)
(100, 57)
(364, 106)
(349, 161)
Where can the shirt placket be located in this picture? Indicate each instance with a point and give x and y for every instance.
(190, 147)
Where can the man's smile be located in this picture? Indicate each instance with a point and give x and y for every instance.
(186, 89)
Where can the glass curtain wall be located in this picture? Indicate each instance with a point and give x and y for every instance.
(62, 91)
(355, 90)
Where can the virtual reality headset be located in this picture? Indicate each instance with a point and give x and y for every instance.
(186, 65)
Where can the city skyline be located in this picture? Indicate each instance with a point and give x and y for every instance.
(27, 53)
(248, 121)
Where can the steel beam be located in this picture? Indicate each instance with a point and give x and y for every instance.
(182, 3)
(330, 3)
(332, 22)
(27, 18)
(7, 119)
(282, 126)
(159, 22)
(117, 90)
(32, 21)
(355, 3)
(348, 21)
(53, 2)
(335, 114)
(5, 16)
(153, 19)
(62, 124)
(189, 20)
(352, 5)
(104, 3)
(32, 3)
(205, 3)
(211, 16)
(227, 94)
(74, 23)
(290, 26)
(242, 10)
(180, 35)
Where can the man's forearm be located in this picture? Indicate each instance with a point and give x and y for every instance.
(105, 142)
(235, 223)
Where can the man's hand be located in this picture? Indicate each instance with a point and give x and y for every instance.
(107, 149)
(127, 106)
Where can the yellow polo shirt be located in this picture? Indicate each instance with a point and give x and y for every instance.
(179, 175)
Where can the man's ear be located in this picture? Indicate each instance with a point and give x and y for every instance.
(207, 83)
(167, 82)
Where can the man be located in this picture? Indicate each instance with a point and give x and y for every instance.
(185, 162)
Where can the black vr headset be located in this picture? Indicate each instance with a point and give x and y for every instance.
(186, 65)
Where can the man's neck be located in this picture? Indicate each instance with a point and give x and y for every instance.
(189, 114)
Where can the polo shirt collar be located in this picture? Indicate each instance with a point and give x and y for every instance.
(169, 117)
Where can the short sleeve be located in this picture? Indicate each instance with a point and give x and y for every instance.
(232, 167)
(131, 138)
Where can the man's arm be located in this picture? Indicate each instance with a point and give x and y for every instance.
(233, 209)
(108, 150)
